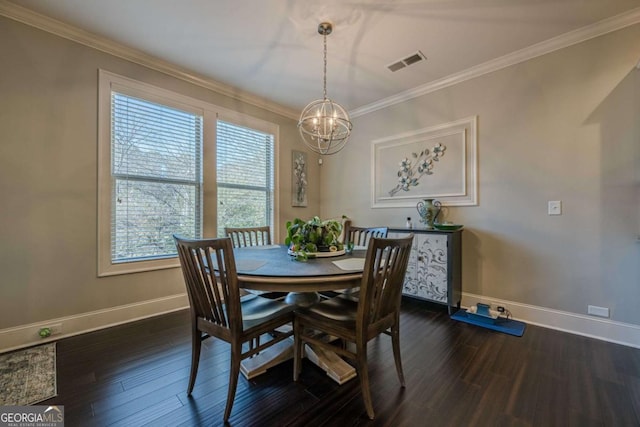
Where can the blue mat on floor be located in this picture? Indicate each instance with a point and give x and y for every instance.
(511, 327)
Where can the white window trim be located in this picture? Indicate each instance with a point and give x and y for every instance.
(107, 82)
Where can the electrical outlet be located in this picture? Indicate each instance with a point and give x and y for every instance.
(500, 309)
(554, 207)
(598, 311)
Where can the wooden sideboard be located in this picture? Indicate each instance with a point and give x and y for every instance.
(434, 272)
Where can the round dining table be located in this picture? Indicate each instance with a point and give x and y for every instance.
(271, 268)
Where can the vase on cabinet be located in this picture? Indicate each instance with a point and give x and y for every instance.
(429, 209)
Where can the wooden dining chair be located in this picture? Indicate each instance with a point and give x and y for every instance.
(217, 310)
(360, 236)
(376, 311)
(249, 236)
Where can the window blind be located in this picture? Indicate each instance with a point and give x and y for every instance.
(245, 176)
(156, 168)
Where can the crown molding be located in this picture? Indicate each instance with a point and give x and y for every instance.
(28, 17)
(50, 25)
(560, 42)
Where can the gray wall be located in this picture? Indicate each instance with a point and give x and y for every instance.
(563, 126)
(48, 173)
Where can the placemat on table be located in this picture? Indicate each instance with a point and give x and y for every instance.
(350, 264)
(248, 264)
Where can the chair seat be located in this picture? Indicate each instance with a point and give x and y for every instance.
(340, 311)
(257, 310)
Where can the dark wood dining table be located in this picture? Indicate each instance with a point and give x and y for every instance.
(271, 268)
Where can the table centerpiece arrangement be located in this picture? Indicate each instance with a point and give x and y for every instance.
(314, 238)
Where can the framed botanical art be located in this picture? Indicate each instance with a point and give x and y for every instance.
(298, 178)
(437, 162)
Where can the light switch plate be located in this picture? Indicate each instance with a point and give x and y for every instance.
(555, 207)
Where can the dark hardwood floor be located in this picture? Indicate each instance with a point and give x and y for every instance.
(456, 375)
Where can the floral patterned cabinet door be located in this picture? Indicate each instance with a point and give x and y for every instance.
(434, 270)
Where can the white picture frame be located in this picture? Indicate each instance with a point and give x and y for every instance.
(453, 180)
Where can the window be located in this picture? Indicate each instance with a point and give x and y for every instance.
(157, 176)
(245, 176)
(170, 164)
(151, 178)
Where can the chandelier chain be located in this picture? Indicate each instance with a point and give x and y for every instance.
(325, 66)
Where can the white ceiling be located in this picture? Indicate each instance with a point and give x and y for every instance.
(271, 48)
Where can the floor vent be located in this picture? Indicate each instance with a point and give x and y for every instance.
(405, 62)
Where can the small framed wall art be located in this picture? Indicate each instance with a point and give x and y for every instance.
(298, 178)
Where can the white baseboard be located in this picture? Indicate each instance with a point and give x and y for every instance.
(27, 335)
(593, 327)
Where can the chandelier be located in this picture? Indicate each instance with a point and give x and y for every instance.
(324, 125)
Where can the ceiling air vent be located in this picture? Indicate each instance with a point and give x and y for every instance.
(405, 62)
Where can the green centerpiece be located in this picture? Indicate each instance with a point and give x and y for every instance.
(307, 239)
